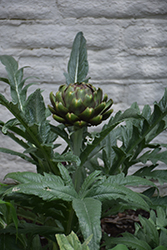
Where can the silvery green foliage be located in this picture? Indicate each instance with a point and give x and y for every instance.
(72, 191)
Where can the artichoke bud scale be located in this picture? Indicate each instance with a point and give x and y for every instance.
(87, 114)
(107, 114)
(59, 119)
(89, 101)
(96, 120)
(52, 110)
(52, 98)
(80, 124)
(76, 106)
(99, 96)
(70, 117)
(61, 110)
(58, 97)
(105, 97)
(100, 108)
(108, 105)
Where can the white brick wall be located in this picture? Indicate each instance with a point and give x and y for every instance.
(126, 41)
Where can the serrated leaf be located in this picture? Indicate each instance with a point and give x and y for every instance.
(114, 121)
(163, 239)
(129, 180)
(160, 248)
(147, 172)
(15, 80)
(59, 130)
(4, 80)
(146, 112)
(69, 157)
(88, 182)
(35, 108)
(119, 247)
(161, 220)
(12, 213)
(130, 241)
(48, 187)
(65, 175)
(89, 220)
(10, 64)
(78, 64)
(9, 124)
(70, 242)
(27, 228)
(21, 155)
(150, 232)
(107, 191)
(27, 177)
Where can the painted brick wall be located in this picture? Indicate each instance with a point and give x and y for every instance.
(126, 41)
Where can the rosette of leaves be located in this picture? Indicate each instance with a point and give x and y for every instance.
(80, 104)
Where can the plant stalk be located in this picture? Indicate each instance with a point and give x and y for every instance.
(77, 147)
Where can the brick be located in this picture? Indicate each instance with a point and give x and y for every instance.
(146, 33)
(112, 9)
(144, 93)
(37, 36)
(28, 10)
(114, 90)
(105, 65)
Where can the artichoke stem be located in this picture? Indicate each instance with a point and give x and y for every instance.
(77, 141)
(77, 146)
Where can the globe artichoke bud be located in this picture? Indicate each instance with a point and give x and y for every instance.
(79, 105)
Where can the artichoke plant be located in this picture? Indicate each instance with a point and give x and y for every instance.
(79, 105)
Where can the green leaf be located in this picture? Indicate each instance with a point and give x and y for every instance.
(129, 180)
(150, 232)
(35, 108)
(37, 134)
(108, 191)
(15, 81)
(149, 173)
(160, 248)
(10, 64)
(71, 242)
(130, 241)
(93, 177)
(163, 238)
(59, 130)
(4, 80)
(27, 177)
(119, 247)
(65, 175)
(9, 242)
(114, 121)
(89, 220)
(13, 212)
(48, 187)
(161, 220)
(78, 64)
(69, 157)
(9, 124)
(12, 152)
(32, 228)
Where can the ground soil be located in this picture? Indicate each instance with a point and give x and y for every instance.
(114, 225)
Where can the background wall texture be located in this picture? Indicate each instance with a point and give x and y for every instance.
(126, 42)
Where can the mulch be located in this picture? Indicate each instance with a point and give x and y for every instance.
(115, 225)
